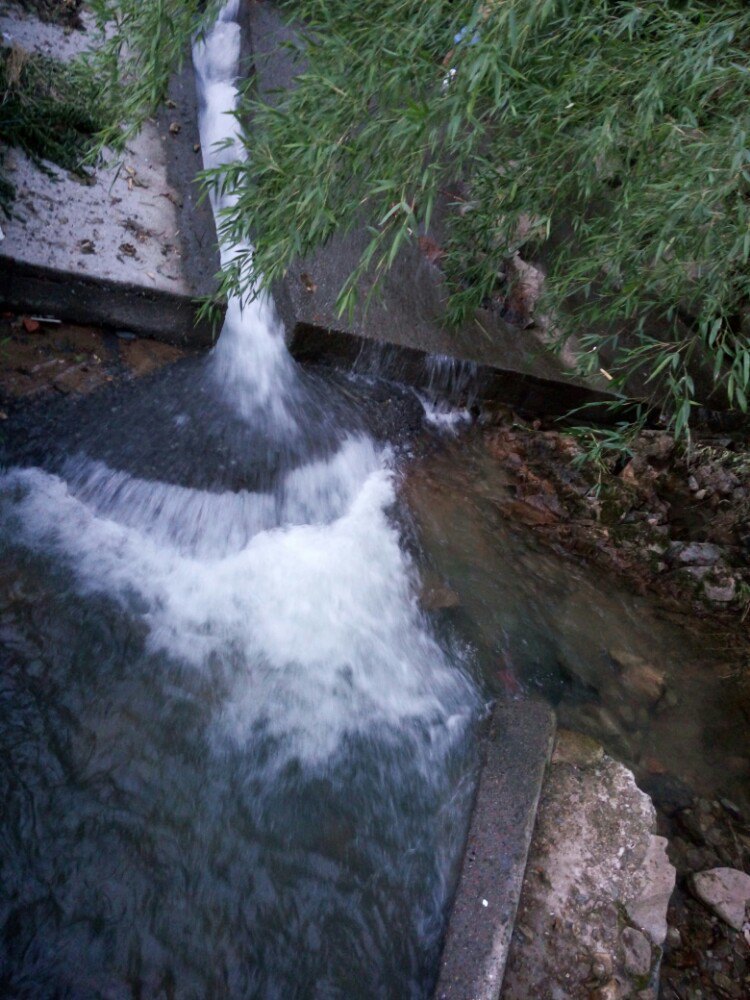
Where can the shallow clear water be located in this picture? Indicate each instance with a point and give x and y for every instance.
(545, 621)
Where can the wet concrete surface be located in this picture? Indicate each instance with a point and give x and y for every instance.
(133, 249)
(517, 748)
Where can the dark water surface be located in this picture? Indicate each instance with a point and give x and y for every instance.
(234, 758)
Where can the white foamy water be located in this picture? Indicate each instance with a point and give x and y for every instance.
(318, 621)
(442, 415)
(209, 524)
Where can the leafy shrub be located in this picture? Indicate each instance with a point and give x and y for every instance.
(606, 139)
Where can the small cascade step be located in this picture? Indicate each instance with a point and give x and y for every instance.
(518, 748)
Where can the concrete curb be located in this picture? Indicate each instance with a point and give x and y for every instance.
(518, 748)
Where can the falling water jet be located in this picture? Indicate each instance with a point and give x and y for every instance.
(250, 361)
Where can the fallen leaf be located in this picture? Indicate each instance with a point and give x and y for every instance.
(128, 249)
(29, 325)
(430, 249)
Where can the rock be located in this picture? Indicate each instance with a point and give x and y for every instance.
(657, 445)
(721, 592)
(639, 680)
(669, 793)
(726, 891)
(538, 509)
(601, 967)
(674, 938)
(594, 857)
(731, 807)
(717, 478)
(145, 356)
(697, 572)
(636, 952)
(695, 553)
(726, 984)
(610, 991)
(639, 476)
(576, 749)
(647, 906)
(438, 597)
(600, 722)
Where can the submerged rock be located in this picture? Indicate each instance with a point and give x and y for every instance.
(639, 679)
(721, 592)
(576, 748)
(726, 891)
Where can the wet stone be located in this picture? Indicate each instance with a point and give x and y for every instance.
(695, 553)
(726, 891)
(637, 952)
(576, 748)
(595, 858)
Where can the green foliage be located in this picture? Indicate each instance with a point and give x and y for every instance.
(47, 108)
(607, 139)
(141, 45)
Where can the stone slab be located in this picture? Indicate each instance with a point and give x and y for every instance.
(518, 748)
(132, 250)
(592, 917)
(409, 311)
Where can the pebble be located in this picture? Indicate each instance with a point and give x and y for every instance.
(637, 952)
(720, 593)
(674, 938)
(726, 891)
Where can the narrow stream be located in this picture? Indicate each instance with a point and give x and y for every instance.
(245, 640)
(235, 760)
